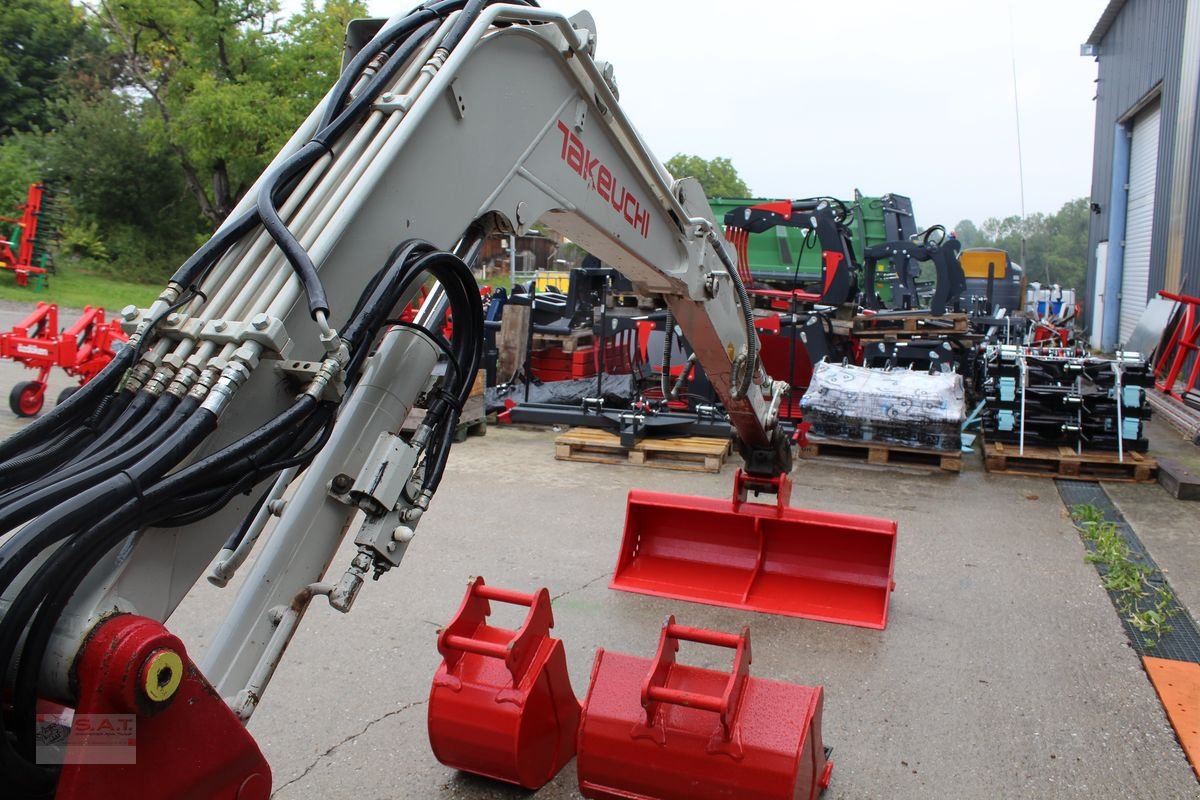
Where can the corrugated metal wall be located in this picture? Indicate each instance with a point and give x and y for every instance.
(1140, 50)
(1191, 242)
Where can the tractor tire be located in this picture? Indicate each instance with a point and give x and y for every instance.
(26, 398)
(64, 394)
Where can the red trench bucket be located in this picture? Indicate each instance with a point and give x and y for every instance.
(771, 558)
(653, 729)
(501, 705)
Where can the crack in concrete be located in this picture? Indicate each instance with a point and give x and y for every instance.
(346, 740)
(579, 588)
(404, 707)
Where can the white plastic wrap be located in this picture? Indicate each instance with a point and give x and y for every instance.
(913, 409)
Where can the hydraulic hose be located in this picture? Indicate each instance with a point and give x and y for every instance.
(30, 504)
(138, 405)
(130, 429)
(70, 410)
(60, 523)
(470, 13)
(210, 468)
(743, 380)
(268, 214)
(32, 466)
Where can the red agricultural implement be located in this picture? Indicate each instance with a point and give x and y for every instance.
(81, 350)
(29, 237)
(1179, 361)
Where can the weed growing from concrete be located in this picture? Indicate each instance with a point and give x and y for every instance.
(1146, 606)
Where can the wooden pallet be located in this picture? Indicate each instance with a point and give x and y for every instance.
(882, 453)
(691, 453)
(1064, 462)
(569, 342)
(471, 422)
(925, 324)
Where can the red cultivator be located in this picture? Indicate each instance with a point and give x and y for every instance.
(30, 256)
(81, 350)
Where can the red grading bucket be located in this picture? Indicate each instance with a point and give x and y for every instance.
(501, 703)
(658, 730)
(775, 559)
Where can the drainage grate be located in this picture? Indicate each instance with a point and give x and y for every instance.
(1182, 643)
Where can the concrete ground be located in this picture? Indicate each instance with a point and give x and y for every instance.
(1004, 670)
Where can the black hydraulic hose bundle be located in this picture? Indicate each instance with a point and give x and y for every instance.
(37, 463)
(120, 450)
(241, 465)
(69, 411)
(116, 449)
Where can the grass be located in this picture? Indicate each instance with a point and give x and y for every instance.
(1125, 575)
(73, 288)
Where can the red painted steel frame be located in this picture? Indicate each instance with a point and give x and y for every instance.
(82, 350)
(1183, 346)
(189, 747)
(770, 558)
(22, 260)
(654, 729)
(501, 704)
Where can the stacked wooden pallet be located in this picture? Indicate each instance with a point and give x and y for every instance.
(692, 453)
(1064, 462)
(568, 342)
(923, 324)
(882, 454)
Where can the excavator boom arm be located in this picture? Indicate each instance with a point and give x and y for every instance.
(266, 361)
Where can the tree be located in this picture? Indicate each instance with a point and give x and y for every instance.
(37, 38)
(968, 234)
(1055, 245)
(228, 81)
(19, 167)
(717, 176)
(133, 197)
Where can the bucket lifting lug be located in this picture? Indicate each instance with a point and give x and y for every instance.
(656, 729)
(501, 704)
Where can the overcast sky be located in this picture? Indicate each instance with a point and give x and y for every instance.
(882, 95)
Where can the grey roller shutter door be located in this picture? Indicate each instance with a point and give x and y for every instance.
(1139, 220)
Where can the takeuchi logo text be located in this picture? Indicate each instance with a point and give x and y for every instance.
(600, 180)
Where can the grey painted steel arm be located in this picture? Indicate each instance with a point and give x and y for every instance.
(518, 124)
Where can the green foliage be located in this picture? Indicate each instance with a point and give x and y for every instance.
(19, 167)
(37, 38)
(154, 117)
(82, 240)
(227, 82)
(717, 176)
(968, 234)
(1055, 245)
(1125, 574)
(103, 159)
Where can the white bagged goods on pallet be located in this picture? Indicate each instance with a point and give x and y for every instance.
(901, 407)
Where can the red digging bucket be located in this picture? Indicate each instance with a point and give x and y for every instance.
(770, 558)
(658, 730)
(501, 703)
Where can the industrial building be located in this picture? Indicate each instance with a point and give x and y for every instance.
(1145, 234)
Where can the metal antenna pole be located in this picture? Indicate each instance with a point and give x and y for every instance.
(1012, 39)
